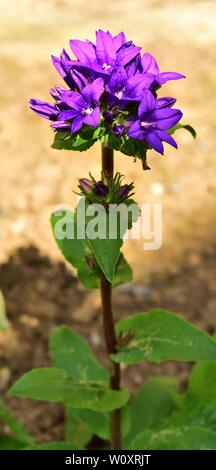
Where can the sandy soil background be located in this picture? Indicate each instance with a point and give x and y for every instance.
(40, 291)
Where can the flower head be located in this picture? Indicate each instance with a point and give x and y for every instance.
(111, 88)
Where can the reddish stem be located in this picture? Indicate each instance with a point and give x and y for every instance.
(108, 321)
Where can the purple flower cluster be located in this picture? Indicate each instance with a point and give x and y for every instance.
(112, 86)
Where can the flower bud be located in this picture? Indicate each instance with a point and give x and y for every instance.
(118, 130)
(101, 189)
(86, 185)
(123, 191)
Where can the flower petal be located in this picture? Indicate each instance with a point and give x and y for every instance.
(135, 131)
(164, 77)
(76, 124)
(127, 52)
(72, 99)
(119, 40)
(149, 64)
(165, 102)
(44, 109)
(92, 92)
(134, 66)
(92, 119)
(167, 118)
(147, 104)
(135, 85)
(105, 48)
(117, 79)
(167, 138)
(83, 50)
(67, 115)
(60, 69)
(154, 141)
(60, 126)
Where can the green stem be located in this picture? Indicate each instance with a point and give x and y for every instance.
(108, 321)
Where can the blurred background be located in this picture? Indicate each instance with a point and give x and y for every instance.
(40, 290)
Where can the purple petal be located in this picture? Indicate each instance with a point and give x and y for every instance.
(165, 102)
(58, 65)
(164, 77)
(147, 104)
(76, 124)
(167, 138)
(92, 119)
(118, 130)
(119, 40)
(127, 52)
(92, 92)
(135, 131)
(67, 115)
(135, 85)
(167, 118)
(118, 79)
(149, 64)
(83, 50)
(60, 125)
(111, 99)
(72, 99)
(64, 56)
(154, 141)
(79, 79)
(91, 67)
(105, 48)
(134, 66)
(44, 109)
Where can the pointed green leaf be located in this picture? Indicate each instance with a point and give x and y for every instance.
(183, 126)
(16, 428)
(202, 384)
(71, 352)
(182, 438)
(56, 385)
(106, 246)
(202, 416)
(81, 424)
(153, 402)
(68, 141)
(75, 250)
(123, 272)
(161, 336)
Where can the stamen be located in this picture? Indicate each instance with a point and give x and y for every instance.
(106, 66)
(87, 111)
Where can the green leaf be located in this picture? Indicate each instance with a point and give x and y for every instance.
(16, 428)
(202, 385)
(4, 324)
(123, 272)
(202, 416)
(183, 126)
(81, 424)
(76, 429)
(182, 438)
(161, 336)
(68, 141)
(116, 222)
(9, 443)
(56, 385)
(75, 250)
(106, 251)
(71, 352)
(151, 405)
